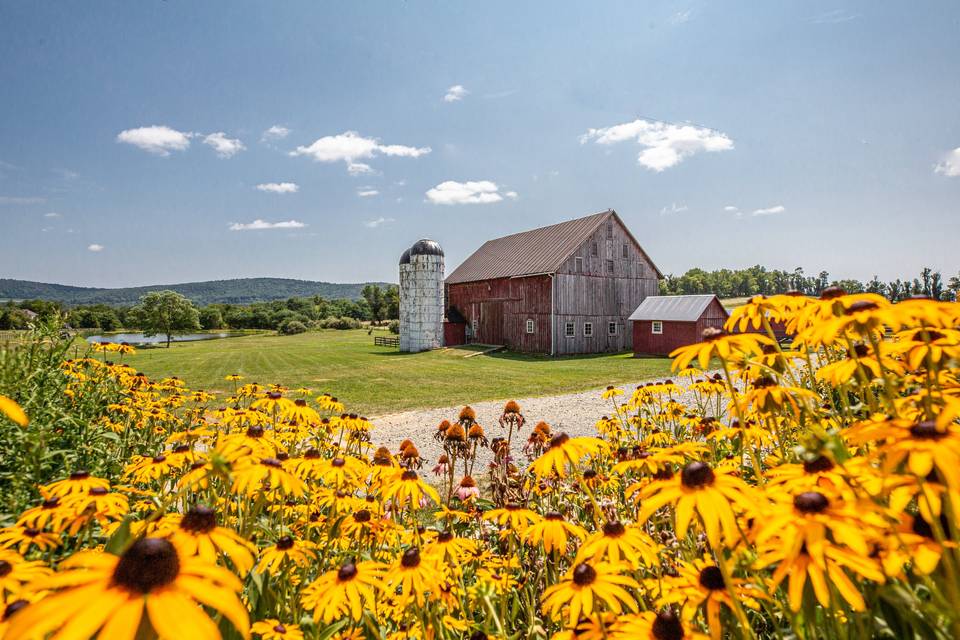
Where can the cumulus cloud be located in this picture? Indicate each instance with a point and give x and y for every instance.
(96, 248)
(664, 145)
(274, 133)
(731, 208)
(366, 192)
(470, 192)
(673, 208)
(373, 224)
(455, 93)
(950, 165)
(350, 147)
(279, 187)
(224, 146)
(157, 139)
(259, 225)
(769, 211)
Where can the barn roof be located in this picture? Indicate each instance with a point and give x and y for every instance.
(677, 308)
(541, 250)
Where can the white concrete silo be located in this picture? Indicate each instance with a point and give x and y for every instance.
(421, 297)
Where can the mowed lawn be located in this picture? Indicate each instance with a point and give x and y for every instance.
(377, 380)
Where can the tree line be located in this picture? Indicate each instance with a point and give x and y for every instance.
(736, 283)
(377, 304)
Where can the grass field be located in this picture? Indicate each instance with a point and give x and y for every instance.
(376, 380)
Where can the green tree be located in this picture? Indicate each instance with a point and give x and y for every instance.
(373, 294)
(211, 318)
(166, 313)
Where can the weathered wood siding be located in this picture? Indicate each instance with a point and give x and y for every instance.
(497, 311)
(604, 281)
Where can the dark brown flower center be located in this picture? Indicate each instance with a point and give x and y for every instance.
(763, 382)
(256, 431)
(818, 465)
(861, 305)
(274, 395)
(559, 440)
(160, 458)
(926, 430)
(13, 607)
(311, 454)
(553, 515)
(614, 529)
(338, 462)
(98, 491)
(362, 516)
(300, 402)
(832, 292)
(584, 574)
(271, 462)
(811, 502)
(79, 475)
(347, 572)
(149, 563)
(409, 474)
(696, 475)
(285, 543)
(279, 628)
(52, 503)
(411, 558)
(711, 578)
(200, 519)
(5, 568)
(444, 537)
(667, 626)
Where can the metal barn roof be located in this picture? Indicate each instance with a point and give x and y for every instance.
(677, 308)
(537, 251)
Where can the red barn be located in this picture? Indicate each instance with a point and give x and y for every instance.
(663, 323)
(565, 288)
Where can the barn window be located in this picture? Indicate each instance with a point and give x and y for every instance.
(594, 251)
(578, 263)
(587, 329)
(657, 327)
(570, 330)
(640, 270)
(609, 266)
(609, 229)
(611, 328)
(530, 326)
(626, 251)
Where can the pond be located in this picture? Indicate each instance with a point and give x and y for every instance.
(139, 338)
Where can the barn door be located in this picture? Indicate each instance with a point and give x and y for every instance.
(491, 322)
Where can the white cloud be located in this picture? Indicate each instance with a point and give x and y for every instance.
(96, 248)
(279, 187)
(156, 139)
(673, 208)
(350, 147)
(455, 93)
(373, 224)
(681, 16)
(22, 200)
(836, 16)
(950, 166)
(769, 211)
(258, 225)
(367, 193)
(470, 192)
(274, 133)
(664, 145)
(731, 208)
(224, 146)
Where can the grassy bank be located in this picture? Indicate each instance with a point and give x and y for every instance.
(380, 380)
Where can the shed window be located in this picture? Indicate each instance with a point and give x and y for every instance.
(611, 328)
(594, 251)
(626, 251)
(530, 326)
(656, 327)
(609, 266)
(570, 330)
(578, 264)
(587, 329)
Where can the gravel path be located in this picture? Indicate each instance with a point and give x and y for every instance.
(573, 413)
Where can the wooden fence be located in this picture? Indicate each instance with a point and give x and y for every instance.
(386, 341)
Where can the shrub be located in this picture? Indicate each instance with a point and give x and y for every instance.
(291, 327)
(394, 326)
(343, 322)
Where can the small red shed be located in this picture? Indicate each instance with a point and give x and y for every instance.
(663, 323)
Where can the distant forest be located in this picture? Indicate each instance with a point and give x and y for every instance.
(237, 291)
(736, 283)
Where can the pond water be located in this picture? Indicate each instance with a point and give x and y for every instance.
(139, 338)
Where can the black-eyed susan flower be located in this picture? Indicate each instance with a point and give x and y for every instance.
(553, 532)
(197, 533)
(564, 452)
(589, 587)
(346, 591)
(415, 577)
(616, 543)
(273, 629)
(99, 592)
(287, 549)
(25, 539)
(406, 488)
(250, 477)
(16, 573)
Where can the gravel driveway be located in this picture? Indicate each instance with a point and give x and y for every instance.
(573, 413)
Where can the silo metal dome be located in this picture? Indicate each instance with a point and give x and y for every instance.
(426, 247)
(405, 257)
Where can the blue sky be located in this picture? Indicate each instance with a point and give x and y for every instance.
(134, 135)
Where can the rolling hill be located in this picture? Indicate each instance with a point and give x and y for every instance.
(238, 291)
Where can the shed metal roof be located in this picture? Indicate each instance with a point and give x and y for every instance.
(676, 308)
(541, 250)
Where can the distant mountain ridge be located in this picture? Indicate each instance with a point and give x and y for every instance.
(236, 291)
